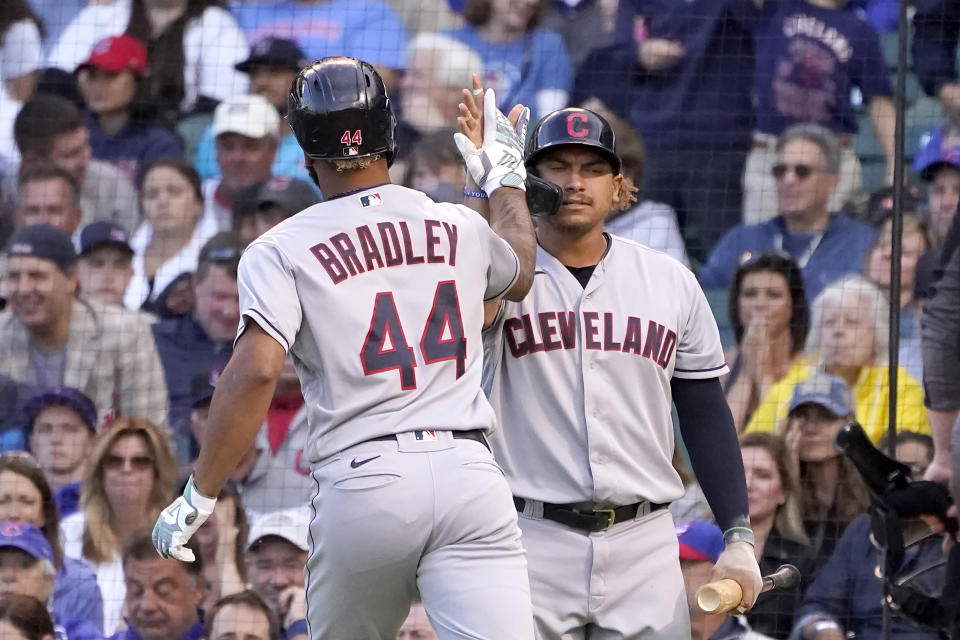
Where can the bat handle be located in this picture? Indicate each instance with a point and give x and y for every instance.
(720, 596)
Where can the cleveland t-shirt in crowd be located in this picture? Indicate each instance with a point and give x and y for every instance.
(808, 60)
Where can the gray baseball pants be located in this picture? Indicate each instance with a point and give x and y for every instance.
(391, 518)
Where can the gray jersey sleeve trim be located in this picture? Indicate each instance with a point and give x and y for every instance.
(513, 281)
(717, 368)
(267, 326)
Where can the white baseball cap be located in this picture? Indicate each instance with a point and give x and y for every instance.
(293, 525)
(249, 115)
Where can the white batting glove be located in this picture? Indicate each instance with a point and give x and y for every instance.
(178, 522)
(737, 562)
(499, 162)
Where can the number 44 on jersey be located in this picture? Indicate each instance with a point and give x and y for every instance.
(386, 348)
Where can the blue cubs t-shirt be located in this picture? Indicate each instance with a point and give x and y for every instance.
(807, 61)
(517, 70)
(364, 29)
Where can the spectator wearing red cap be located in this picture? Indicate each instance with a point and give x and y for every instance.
(119, 116)
(192, 47)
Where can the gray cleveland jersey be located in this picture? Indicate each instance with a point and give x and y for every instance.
(580, 377)
(379, 297)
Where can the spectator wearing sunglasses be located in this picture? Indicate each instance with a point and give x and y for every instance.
(130, 477)
(810, 55)
(825, 245)
(200, 342)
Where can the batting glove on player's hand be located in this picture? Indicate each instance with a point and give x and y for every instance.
(739, 563)
(178, 522)
(499, 162)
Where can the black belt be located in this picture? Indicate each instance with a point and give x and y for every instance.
(472, 434)
(591, 520)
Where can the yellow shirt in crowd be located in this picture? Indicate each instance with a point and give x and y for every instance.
(871, 395)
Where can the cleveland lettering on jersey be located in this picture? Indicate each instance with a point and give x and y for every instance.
(386, 244)
(552, 330)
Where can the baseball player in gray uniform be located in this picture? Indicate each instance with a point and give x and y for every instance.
(582, 373)
(378, 294)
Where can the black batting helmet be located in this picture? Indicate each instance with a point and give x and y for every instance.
(338, 109)
(572, 126)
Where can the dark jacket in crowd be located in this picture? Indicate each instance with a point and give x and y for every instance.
(936, 30)
(772, 615)
(186, 352)
(848, 591)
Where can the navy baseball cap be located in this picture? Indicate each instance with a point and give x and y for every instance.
(45, 242)
(290, 194)
(935, 155)
(202, 386)
(278, 52)
(830, 392)
(700, 540)
(27, 538)
(103, 232)
(62, 397)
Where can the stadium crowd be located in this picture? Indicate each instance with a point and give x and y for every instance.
(143, 145)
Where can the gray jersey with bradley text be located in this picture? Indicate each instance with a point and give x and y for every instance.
(580, 376)
(379, 297)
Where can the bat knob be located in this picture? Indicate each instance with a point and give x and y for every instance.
(720, 596)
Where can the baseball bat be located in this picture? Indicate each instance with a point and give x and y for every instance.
(722, 596)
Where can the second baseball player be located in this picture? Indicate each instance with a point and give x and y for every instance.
(582, 373)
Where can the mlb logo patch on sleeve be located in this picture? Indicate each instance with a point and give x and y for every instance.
(371, 200)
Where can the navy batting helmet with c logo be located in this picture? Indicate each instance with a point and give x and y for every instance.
(572, 126)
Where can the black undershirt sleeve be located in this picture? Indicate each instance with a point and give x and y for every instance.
(710, 436)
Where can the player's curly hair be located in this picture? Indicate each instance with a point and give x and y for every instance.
(627, 194)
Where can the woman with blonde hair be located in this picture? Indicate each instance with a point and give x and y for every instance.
(129, 479)
(773, 495)
(849, 338)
